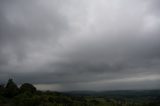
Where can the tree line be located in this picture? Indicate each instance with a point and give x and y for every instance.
(28, 95)
(11, 89)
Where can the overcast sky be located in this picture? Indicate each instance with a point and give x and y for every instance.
(81, 44)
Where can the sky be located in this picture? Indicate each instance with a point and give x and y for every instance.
(68, 45)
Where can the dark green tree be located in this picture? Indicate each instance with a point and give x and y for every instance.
(26, 87)
(2, 89)
(11, 89)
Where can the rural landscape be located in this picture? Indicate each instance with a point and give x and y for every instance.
(79, 52)
(27, 95)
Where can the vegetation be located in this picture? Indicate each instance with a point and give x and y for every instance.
(27, 95)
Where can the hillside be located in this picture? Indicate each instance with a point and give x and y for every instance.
(27, 95)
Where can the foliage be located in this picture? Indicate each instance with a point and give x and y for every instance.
(26, 87)
(27, 95)
(11, 89)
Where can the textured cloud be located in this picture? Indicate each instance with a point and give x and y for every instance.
(78, 45)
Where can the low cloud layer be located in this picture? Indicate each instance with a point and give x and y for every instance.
(81, 44)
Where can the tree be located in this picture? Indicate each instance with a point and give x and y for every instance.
(11, 89)
(26, 87)
(1, 89)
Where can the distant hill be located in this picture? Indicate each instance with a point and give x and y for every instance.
(28, 95)
(116, 93)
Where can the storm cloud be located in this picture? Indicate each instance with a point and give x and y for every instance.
(81, 44)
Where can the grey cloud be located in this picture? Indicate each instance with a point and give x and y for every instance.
(77, 43)
(28, 24)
